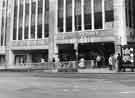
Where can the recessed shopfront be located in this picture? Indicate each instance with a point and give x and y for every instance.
(33, 56)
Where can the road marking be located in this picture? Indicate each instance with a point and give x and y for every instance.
(66, 90)
(75, 86)
(124, 92)
(75, 90)
(127, 92)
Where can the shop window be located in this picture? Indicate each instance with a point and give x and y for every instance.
(20, 59)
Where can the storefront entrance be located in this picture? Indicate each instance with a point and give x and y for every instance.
(33, 56)
(66, 52)
(88, 52)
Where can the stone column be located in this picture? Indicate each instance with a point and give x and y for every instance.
(120, 21)
(43, 20)
(52, 28)
(12, 20)
(119, 26)
(1, 17)
(92, 14)
(36, 20)
(103, 13)
(82, 14)
(29, 58)
(64, 16)
(10, 58)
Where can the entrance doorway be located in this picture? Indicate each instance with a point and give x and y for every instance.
(66, 52)
(89, 51)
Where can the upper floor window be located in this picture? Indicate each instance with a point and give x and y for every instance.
(109, 11)
(78, 16)
(60, 15)
(98, 19)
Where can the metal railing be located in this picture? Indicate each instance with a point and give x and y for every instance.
(89, 64)
(59, 65)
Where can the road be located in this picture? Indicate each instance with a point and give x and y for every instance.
(62, 85)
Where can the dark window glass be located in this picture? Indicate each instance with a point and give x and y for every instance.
(40, 6)
(60, 15)
(20, 34)
(33, 11)
(40, 13)
(15, 20)
(78, 22)
(33, 31)
(46, 25)
(20, 20)
(26, 31)
(68, 15)
(98, 22)
(46, 30)
(39, 35)
(87, 14)
(109, 12)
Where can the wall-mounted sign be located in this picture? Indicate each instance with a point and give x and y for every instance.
(128, 55)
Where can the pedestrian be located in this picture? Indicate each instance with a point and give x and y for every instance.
(98, 60)
(119, 61)
(81, 63)
(111, 62)
(53, 60)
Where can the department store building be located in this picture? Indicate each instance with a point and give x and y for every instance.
(32, 30)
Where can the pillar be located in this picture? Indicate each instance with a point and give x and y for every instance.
(64, 16)
(12, 22)
(103, 11)
(43, 20)
(10, 58)
(36, 20)
(52, 28)
(82, 14)
(29, 59)
(92, 13)
(120, 22)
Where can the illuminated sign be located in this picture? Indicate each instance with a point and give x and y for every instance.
(127, 55)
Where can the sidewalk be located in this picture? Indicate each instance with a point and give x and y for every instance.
(102, 70)
(96, 70)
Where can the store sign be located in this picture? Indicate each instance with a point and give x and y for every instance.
(128, 55)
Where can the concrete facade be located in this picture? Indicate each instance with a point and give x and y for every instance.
(44, 43)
